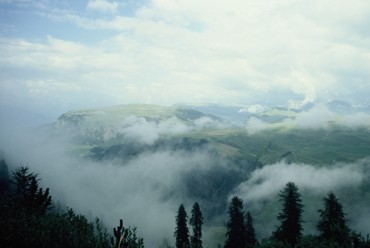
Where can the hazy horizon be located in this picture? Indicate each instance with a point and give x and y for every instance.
(66, 55)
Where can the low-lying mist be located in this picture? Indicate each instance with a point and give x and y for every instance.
(146, 190)
(319, 116)
(349, 181)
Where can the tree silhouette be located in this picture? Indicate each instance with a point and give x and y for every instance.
(126, 237)
(4, 178)
(250, 232)
(182, 232)
(28, 195)
(290, 229)
(236, 230)
(332, 226)
(196, 221)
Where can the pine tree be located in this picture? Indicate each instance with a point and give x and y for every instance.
(182, 232)
(290, 229)
(250, 233)
(236, 230)
(28, 194)
(196, 221)
(332, 226)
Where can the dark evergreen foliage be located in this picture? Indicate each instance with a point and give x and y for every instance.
(4, 178)
(290, 229)
(250, 232)
(28, 195)
(27, 221)
(332, 226)
(182, 232)
(196, 221)
(236, 230)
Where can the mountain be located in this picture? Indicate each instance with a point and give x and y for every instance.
(241, 115)
(109, 124)
(130, 130)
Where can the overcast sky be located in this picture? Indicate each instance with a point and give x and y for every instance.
(62, 55)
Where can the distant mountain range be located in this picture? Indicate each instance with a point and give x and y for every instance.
(271, 114)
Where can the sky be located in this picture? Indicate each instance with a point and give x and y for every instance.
(62, 55)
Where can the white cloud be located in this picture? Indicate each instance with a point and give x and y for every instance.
(103, 5)
(269, 180)
(170, 51)
(147, 132)
(319, 116)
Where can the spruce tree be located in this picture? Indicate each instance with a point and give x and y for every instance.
(182, 232)
(236, 230)
(29, 196)
(290, 229)
(196, 221)
(250, 233)
(332, 226)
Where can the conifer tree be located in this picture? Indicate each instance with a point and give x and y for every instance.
(182, 232)
(28, 194)
(332, 226)
(236, 230)
(290, 229)
(196, 221)
(250, 232)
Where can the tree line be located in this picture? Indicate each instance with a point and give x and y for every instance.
(332, 227)
(29, 218)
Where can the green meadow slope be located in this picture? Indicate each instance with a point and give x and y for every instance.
(310, 146)
(99, 129)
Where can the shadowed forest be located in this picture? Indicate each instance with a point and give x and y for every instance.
(33, 219)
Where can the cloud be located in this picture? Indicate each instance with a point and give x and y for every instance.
(255, 125)
(147, 132)
(145, 191)
(103, 5)
(319, 116)
(180, 51)
(260, 192)
(269, 180)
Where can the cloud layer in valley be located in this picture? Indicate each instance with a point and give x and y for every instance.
(147, 189)
(262, 188)
(144, 191)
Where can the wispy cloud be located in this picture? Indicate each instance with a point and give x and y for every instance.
(103, 5)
